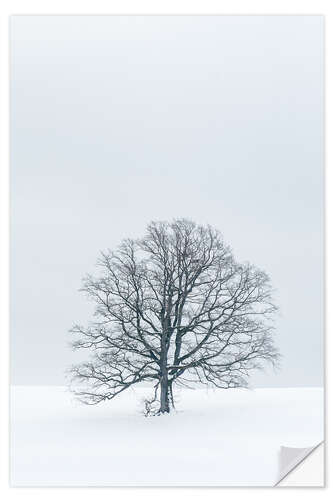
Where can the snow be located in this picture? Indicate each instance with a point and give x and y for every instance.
(216, 438)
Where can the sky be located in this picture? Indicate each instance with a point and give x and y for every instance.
(120, 120)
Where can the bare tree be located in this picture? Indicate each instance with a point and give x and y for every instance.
(173, 308)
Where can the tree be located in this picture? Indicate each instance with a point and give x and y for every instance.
(173, 308)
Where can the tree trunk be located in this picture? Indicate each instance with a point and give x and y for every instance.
(164, 399)
(171, 395)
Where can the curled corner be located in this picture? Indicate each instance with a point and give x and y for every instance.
(290, 458)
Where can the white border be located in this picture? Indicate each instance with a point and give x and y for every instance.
(251, 7)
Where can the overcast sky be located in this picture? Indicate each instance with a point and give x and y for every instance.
(117, 121)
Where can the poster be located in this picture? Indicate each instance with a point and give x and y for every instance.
(166, 248)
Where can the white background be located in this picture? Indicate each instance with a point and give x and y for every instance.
(109, 7)
(108, 109)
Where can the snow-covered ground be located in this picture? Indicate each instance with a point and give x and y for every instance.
(216, 438)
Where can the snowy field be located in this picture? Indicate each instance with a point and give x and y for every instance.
(216, 438)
